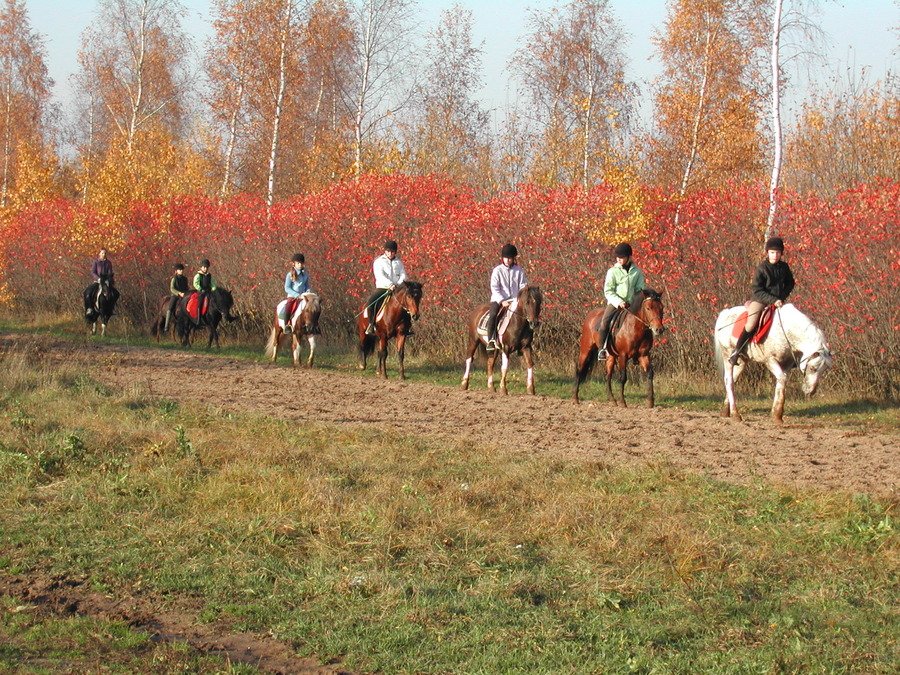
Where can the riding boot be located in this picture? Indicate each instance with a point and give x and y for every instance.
(370, 329)
(166, 322)
(739, 347)
(602, 354)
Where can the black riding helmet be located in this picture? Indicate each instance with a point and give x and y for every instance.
(178, 266)
(204, 262)
(509, 251)
(390, 245)
(775, 244)
(623, 250)
(298, 257)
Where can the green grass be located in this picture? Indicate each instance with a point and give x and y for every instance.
(695, 392)
(410, 555)
(33, 642)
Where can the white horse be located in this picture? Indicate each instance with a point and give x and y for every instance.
(794, 341)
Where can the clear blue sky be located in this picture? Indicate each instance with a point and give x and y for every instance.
(862, 34)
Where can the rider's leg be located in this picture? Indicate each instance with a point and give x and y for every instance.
(754, 309)
(170, 312)
(604, 330)
(373, 304)
(492, 337)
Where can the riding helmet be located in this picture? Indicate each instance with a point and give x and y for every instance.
(509, 251)
(775, 244)
(390, 245)
(204, 262)
(623, 250)
(179, 266)
(298, 257)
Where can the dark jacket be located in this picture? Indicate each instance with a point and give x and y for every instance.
(102, 268)
(772, 282)
(178, 284)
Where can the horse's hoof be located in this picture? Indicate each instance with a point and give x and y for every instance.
(726, 411)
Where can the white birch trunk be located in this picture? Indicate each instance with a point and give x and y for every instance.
(137, 98)
(279, 102)
(232, 136)
(88, 165)
(776, 121)
(363, 89)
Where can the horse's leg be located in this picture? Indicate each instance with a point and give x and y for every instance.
(731, 375)
(609, 366)
(780, 381)
(647, 367)
(401, 352)
(312, 350)
(382, 356)
(491, 360)
(94, 328)
(623, 377)
(470, 357)
(295, 349)
(529, 369)
(504, 368)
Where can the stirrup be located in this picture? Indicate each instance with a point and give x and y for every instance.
(735, 356)
(287, 327)
(370, 330)
(602, 354)
(492, 345)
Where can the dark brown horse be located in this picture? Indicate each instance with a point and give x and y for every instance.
(400, 307)
(631, 338)
(304, 323)
(518, 336)
(157, 328)
(220, 305)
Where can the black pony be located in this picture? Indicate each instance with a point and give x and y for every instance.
(220, 302)
(100, 303)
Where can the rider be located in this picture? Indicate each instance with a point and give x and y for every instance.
(389, 273)
(203, 284)
(296, 283)
(507, 279)
(101, 267)
(623, 281)
(178, 287)
(772, 284)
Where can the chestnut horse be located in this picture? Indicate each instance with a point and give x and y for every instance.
(517, 337)
(631, 338)
(401, 305)
(304, 323)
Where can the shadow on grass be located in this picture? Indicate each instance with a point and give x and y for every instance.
(856, 407)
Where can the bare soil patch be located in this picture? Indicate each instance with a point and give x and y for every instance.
(808, 454)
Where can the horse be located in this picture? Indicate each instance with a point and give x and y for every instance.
(159, 322)
(401, 305)
(304, 323)
(794, 341)
(103, 304)
(631, 338)
(220, 304)
(517, 337)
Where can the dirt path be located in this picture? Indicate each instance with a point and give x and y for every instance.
(810, 454)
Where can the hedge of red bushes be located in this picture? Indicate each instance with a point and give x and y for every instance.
(844, 253)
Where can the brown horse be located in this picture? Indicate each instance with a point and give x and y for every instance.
(304, 323)
(157, 328)
(401, 305)
(517, 337)
(631, 338)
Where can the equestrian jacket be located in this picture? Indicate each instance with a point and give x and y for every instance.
(204, 282)
(178, 284)
(506, 282)
(388, 272)
(101, 268)
(623, 284)
(772, 282)
(294, 288)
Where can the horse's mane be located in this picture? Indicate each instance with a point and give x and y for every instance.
(414, 288)
(653, 295)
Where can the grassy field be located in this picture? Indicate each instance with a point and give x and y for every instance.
(410, 555)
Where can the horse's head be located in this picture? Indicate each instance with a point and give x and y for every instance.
(309, 317)
(651, 311)
(529, 303)
(813, 367)
(223, 300)
(103, 282)
(411, 297)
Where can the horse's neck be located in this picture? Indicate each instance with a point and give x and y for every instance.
(804, 335)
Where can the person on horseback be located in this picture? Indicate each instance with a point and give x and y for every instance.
(203, 284)
(507, 279)
(623, 281)
(296, 283)
(773, 282)
(178, 286)
(101, 268)
(389, 273)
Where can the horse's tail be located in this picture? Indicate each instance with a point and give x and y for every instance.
(367, 347)
(272, 344)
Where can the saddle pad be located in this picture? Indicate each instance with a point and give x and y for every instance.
(380, 311)
(762, 328)
(193, 306)
(503, 320)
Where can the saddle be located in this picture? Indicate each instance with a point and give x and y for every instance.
(194, 310)
(762, 328)
(381, 310)
(503, 319)
(289, 308)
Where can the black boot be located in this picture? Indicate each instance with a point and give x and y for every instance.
(603, 354)
(739, 347)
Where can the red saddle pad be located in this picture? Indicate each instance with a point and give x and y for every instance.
(762, 328)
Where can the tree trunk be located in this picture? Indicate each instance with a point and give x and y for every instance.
(279, 102)
(137, 99)
(363, 89)
(232, 136)
(776, 122)
(7, 137)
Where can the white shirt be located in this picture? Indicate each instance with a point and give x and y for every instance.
(388, 272)
(506, 282)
